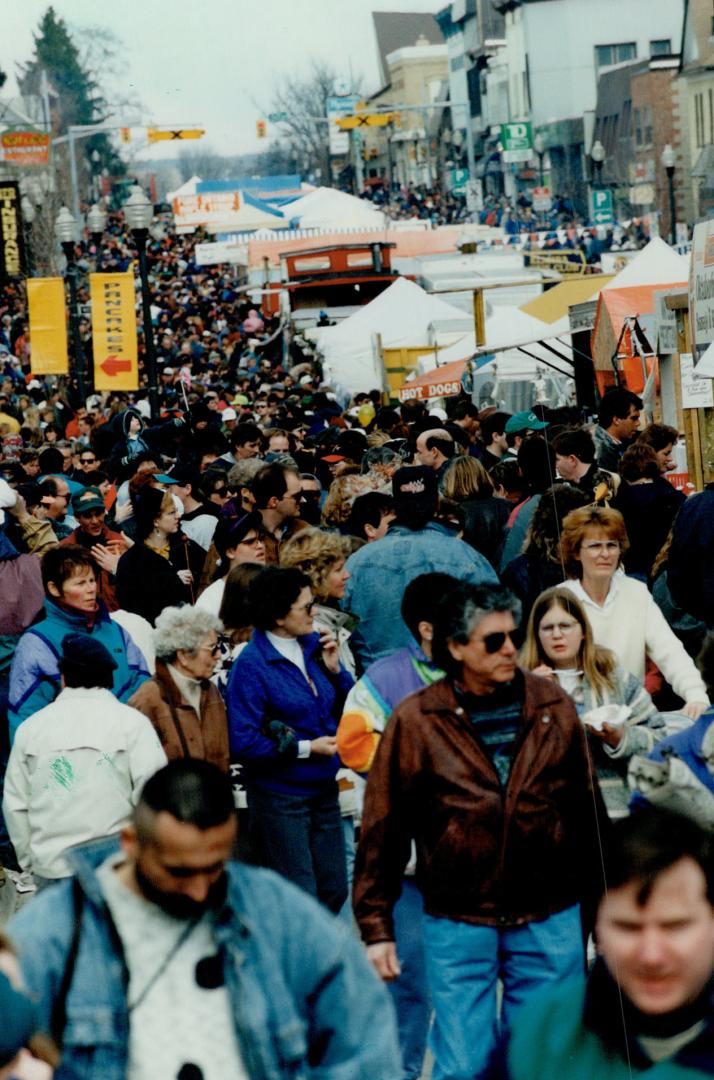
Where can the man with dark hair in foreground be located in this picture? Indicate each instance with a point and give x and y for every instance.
(647, 1007)
(165, 959)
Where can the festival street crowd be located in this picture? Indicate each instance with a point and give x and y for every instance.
(341, 739)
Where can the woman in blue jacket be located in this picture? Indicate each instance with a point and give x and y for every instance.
(284, 698)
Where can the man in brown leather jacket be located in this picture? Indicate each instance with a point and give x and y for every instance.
(487, 771)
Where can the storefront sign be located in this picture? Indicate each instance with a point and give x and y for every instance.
(25, 147)
(12, 245)
(206, 208)
(701, 287)
(116, 365)
(48, 326)
(697, 393)
(665, 325)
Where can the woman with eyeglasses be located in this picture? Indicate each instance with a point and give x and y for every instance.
(237, 540)
(621, 611)
(182, 703)
(284, 698)
(559, 645)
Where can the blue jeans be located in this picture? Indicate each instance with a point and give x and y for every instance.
(301, 837)
(464, 965)
(410, 992)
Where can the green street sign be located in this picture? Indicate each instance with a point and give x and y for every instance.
(459, 180)
(277, 117)
(602, 207)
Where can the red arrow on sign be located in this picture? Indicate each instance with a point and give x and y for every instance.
(113, 365)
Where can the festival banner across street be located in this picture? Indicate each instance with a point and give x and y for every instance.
(116, 362)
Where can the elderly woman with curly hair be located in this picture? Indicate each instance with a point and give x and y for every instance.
(186, 709)
(322, 557)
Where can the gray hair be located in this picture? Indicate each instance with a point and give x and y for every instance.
(460, 613)
(241, 474)
(379, 455)
(183, 628)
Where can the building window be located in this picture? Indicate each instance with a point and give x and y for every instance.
(711, 115)
(647, 125)
(699, 119)
(661, 47)
(638, 128)
(606, 55)
(626, 129)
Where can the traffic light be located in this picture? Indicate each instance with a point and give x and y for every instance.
(261, 129)
(125, 134)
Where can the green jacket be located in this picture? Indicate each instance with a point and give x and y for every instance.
(576, 1032)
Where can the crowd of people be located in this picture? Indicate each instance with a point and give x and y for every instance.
(446, 674)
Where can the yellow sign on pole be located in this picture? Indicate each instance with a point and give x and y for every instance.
(116, 363)
(365, 120)
(158, 135)
(48, 326)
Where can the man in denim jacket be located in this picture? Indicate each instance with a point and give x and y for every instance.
(164, 959)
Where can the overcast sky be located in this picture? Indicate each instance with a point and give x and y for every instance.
(208, 62)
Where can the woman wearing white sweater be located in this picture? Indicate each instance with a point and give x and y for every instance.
(622, 613)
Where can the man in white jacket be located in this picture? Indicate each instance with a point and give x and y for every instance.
(78, 766)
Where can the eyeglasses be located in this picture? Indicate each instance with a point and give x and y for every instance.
(561, 627)
(87, 460)
(493, 643)
(606, 546)
(306, 607)
(212, 649)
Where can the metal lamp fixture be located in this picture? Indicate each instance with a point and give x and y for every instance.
(669, 161)
(669, 158)
(597, 153)
(138, 211)
(65, 227)
(96, 220)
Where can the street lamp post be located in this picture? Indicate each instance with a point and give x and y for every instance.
(66, 233)
(597, 156)
(539, 147)
(669, 161)
(96, 223)
(138, 214)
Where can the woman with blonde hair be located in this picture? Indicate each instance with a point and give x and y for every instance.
(322, 556)
(467, 483)
(621, 611)
(559, 645)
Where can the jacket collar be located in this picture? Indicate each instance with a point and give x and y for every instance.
(539, 694)
(309, 642)
(610, 1016)
(79, 619)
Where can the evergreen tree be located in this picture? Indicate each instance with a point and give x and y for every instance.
(80, 98)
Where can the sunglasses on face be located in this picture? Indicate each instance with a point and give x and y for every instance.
(493, 643)
(87, 460)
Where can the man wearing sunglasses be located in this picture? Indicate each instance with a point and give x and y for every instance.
(88, 466)
(487, 772)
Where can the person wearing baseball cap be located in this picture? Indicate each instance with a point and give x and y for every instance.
(415, 544)
(522, 423)
(93, 535)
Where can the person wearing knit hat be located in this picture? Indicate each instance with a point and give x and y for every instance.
(77, 766)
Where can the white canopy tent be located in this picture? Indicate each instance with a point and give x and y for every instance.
(404, 316)
(327, 208)
(189, 188)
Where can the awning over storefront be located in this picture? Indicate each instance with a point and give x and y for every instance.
(553, 304)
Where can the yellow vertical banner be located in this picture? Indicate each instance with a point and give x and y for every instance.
(116, 363)
(48, 326)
